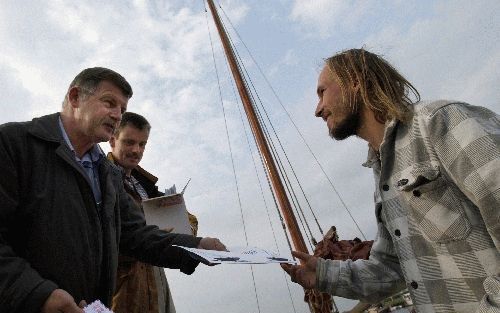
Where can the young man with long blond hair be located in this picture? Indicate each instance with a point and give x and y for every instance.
(437, 193)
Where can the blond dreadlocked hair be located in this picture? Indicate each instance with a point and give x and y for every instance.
(366, 76)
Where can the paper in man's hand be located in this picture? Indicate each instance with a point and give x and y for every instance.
(96, 307)
(247, 255)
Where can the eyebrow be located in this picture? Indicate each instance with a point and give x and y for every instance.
(107, 95)
(116, 100)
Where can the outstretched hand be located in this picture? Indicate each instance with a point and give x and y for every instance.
(208, 243)
(304, 273)
(61, 301)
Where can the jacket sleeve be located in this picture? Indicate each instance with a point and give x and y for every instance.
(367, 280)
(151, 245)
(466, 139)
(22, 289)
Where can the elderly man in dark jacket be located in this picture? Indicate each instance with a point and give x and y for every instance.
(64, 213)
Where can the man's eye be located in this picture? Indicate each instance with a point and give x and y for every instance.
(109, 103)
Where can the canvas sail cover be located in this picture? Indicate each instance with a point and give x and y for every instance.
(334, 249)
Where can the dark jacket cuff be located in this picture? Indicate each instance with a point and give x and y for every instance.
(36, 299)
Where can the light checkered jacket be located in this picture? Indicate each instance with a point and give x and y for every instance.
(437, 204)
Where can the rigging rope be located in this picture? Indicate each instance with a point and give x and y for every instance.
(238, 64)
(296, 128)
(231, 153)
(282, 171)
(264, 199)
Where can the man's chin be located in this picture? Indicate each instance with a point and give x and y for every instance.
(132, 164)
(102, 138)
(339, 135)
(346, 128)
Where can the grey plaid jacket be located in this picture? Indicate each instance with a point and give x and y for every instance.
(437, 203)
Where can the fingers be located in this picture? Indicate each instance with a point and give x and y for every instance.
(60, 301)
(292, 270)
(286, 267)
(305, 273)
(73, 308)
(208, 243)
(219, 246)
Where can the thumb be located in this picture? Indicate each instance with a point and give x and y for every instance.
(82, 304)
(301, 255)
(73, 308)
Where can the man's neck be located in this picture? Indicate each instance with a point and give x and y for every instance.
(81, 144)
(126, 171)
(371, 130)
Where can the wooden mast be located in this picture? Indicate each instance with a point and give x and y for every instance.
(279, 190)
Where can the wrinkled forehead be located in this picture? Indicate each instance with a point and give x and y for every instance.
(110, 91)
(107, 86)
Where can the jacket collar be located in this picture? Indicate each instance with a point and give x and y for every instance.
(47, 128)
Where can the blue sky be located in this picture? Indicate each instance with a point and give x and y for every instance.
(447, 49)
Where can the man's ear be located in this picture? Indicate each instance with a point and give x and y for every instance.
(112, 141)
(73, 96)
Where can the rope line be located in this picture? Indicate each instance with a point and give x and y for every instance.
(283, 173)
(271, 141)
(231, 153)
(242, 70)
(264, 199)
(297, 129)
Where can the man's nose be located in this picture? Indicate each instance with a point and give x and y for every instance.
(136, 148)
(319, 110)
(116, 114)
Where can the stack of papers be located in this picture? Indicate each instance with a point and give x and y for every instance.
(96, 307)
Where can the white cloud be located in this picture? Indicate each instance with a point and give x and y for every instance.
(290, 59)
(322, 18)
(237, 10)
(451, 53)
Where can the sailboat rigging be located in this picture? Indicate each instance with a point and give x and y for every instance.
(279, 190)
(273, 167)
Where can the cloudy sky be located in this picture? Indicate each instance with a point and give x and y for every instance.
(447, 49)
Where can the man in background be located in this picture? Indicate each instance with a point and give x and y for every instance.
(141, 288)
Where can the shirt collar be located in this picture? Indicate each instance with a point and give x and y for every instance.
(122, 169)
(373, 155)
(93, 155)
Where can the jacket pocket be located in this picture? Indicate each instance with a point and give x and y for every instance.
(435, 206)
